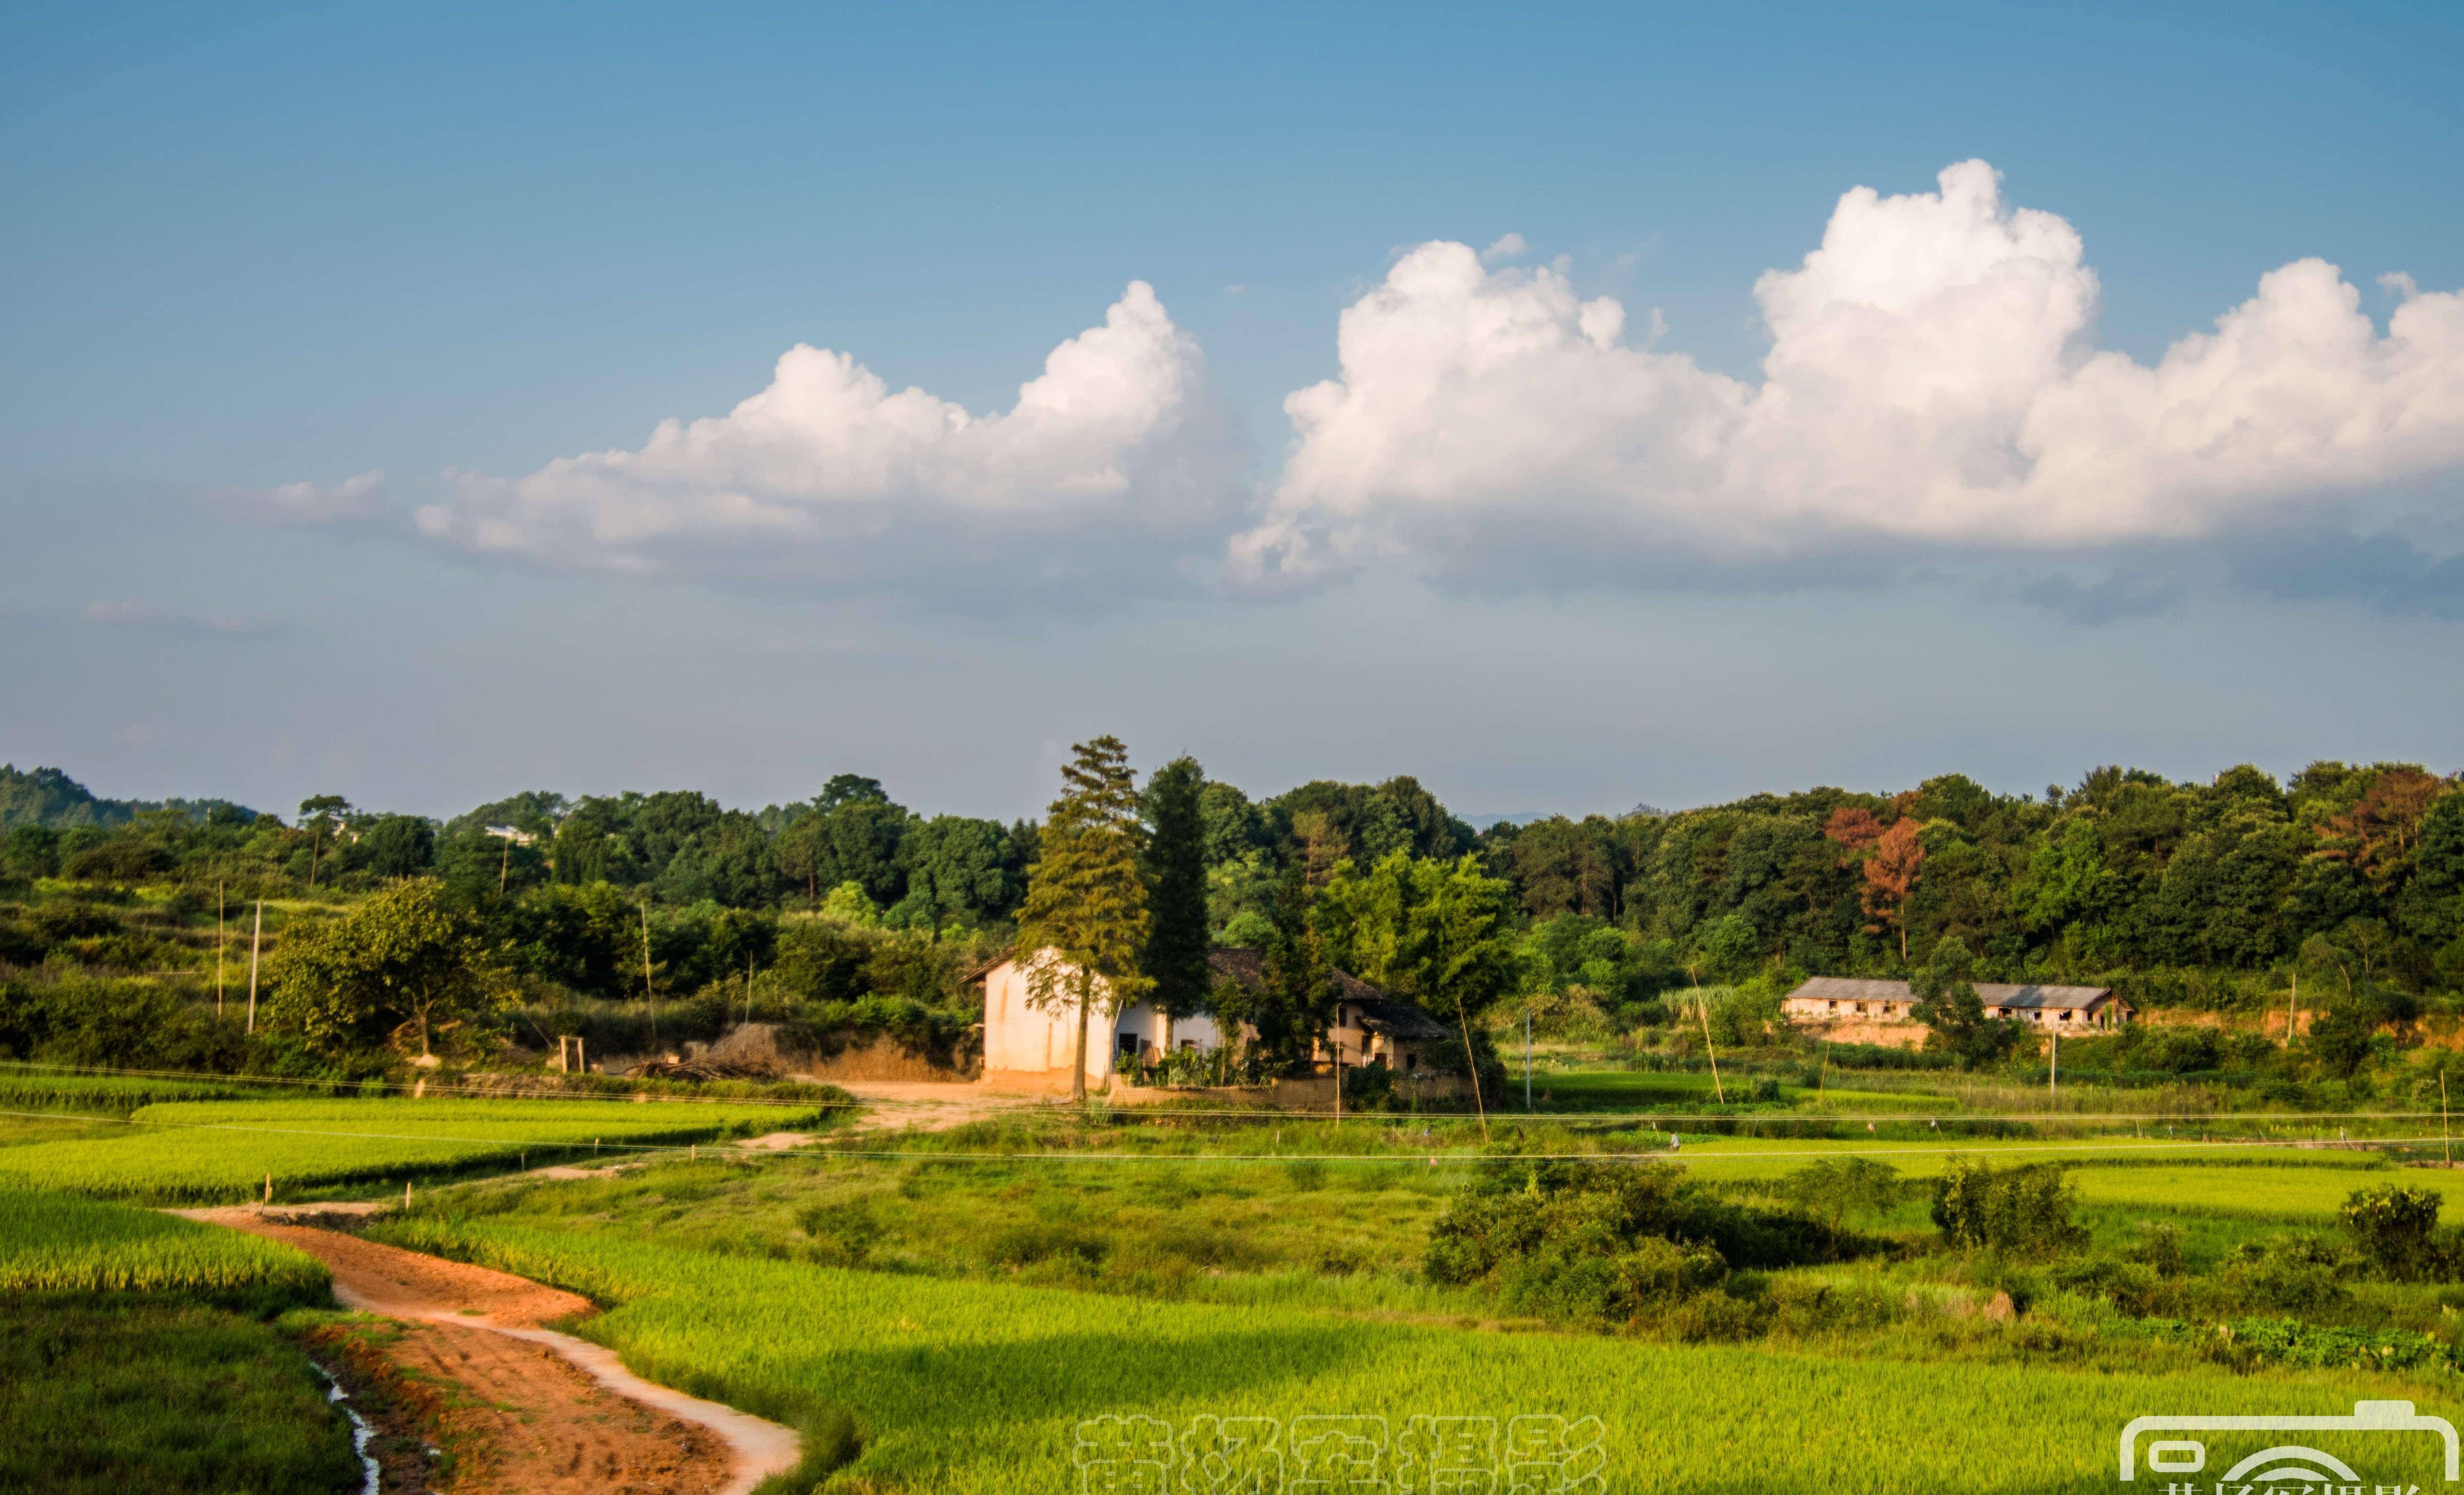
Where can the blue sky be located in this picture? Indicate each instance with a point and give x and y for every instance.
(253, 247)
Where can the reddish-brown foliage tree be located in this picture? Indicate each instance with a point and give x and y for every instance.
(2377, 834)
(1891, 875)
(1853, 827)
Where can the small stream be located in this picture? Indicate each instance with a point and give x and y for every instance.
(361, 1433)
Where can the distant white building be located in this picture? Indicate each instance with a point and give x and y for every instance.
(1845, 1000)
(518, 837)
(1025, 1043)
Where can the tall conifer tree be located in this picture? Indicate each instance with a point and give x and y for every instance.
(1176, 934)
(1087, 895)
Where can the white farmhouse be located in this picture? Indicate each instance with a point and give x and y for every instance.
(1031, 1045)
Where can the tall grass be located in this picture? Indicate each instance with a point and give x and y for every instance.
(57, 1243)
(24, 1087)
(221, 1150)
(978, 1387)
(160, 1395)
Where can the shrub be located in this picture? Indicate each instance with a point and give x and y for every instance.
(2132, 1286)
(2300, 1275)
(2026, 1210)
(1593, 1242)
(1799, 1306)
(2394, 1225)
(2161, 1248)
(1837, 1185)
(843, 1234)
(1028, 1244)
(1711, 1317)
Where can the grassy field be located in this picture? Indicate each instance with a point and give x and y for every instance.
(136, 1355)
(208, 1151)
(981, 1387)
(26, 1087)
(59, 1243)
(160, 1395)
(1612, 1091)
(2295, 1195)
(974, 1296)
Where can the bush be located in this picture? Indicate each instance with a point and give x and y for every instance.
(2297, 1274)
(1030, 1243)
(2132, 1286)
(75, 1019)
(1591, 1243)
(2394, 1227)
(2025, 1210)
(1805, 1307)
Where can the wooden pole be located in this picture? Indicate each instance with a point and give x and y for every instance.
(1526, 1056)
(1703, 1006)
(1471, 1061)
(650, 993)
(255, 941)
(2054, 1073)
(2446, 1143)
(504, 863)
(2292, 1005)
(222, 945)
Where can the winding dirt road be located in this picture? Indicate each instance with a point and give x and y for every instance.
(554, 1414)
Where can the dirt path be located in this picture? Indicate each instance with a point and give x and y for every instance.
(930, 1105)
(556, 1415)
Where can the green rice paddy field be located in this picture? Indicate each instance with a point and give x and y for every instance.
(981, 1375)
(982, 1388)
(221, 1150)
(59, 1243)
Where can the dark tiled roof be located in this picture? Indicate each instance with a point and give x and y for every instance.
(1993, 994)
(1378, 1012)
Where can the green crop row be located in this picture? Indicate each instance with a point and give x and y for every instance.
(2294, 1194)
(207, 1151)
(25, 1089)
(978, 1387)
(58, 1243)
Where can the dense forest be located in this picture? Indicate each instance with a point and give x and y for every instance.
(2188, 894)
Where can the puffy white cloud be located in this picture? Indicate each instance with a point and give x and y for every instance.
(1932, 386)
(1120, 447)
(353, 498)
(1507, 247)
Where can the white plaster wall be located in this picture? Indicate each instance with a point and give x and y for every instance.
(1019, 1037)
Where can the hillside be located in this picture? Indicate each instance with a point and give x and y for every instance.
(48, 797)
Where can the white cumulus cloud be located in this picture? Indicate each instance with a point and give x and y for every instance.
(1932, 386)
(1120, 448)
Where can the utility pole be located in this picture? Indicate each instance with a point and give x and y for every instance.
(2445, 1142)
(2054, 1073)
(256, 940)
(650, 993)
(1703, 1008)
(1471, 1061)
(504, 864)
(1526, 1056)
(222, 945)
(2292, 1005)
